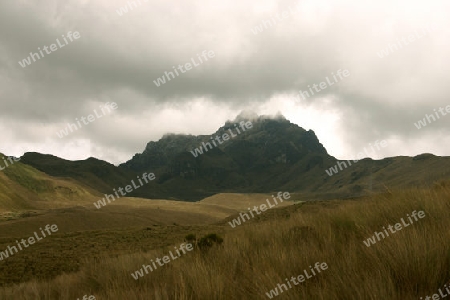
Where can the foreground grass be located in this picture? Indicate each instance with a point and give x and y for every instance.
(258, 255)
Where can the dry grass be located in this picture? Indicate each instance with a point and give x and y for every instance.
(253, 259)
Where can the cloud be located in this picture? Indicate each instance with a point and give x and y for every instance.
(118, 57)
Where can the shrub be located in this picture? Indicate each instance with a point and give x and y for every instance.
(190, 238)
(208, 241)
(205, 242)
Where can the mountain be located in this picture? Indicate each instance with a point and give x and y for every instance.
(252, 154)
(257, 159)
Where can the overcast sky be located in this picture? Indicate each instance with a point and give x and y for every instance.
(117, 58)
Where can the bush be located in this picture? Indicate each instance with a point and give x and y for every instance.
(205, 242)
(190, 238)
(208, 241)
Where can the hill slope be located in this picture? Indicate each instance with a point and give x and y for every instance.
(23, 187)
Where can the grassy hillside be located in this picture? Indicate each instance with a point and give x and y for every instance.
(255, 257)
(369, 176)
(97, 174)
(23, 187)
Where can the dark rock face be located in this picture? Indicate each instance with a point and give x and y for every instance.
(268, 142)
(246, 161)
